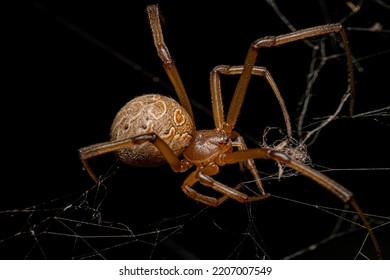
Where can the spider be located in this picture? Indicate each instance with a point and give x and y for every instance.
(152, 129)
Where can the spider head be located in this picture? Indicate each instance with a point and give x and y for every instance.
(207, 145)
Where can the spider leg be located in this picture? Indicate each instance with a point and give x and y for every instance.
(216, 96)
(271, 41)
(203, 176)
(338, 190)
(168, 63)
(249, 163)
(112, 146)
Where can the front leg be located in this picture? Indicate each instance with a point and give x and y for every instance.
(203, 176)
(216, 95)
(249, 163)
(332, 186)
(272, 41)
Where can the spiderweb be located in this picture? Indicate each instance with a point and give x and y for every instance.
(89, 60)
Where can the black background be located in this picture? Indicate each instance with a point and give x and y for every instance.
(65, 90)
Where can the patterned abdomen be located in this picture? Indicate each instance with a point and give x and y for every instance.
(152, 113)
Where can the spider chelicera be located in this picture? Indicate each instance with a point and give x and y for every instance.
(152, 129)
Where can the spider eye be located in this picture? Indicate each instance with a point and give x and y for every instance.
(225, 139)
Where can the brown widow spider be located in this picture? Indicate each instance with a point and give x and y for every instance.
(152, 129)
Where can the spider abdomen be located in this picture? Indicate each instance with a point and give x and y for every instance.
(152, 113)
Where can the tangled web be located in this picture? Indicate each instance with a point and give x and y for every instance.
(142, 213)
